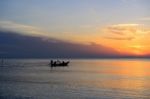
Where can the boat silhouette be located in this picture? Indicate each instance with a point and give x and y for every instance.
(58, 63)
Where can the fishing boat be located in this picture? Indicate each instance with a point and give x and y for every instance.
(58, 63)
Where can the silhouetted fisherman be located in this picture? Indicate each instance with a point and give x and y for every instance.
(63, 62)
(51, 62)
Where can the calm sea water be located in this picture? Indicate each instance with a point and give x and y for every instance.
(83, 79)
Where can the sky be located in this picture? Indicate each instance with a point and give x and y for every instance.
(120, 26)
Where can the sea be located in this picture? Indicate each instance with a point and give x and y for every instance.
(82, 79)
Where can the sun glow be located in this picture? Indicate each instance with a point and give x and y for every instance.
(128, 39)
(135, 49)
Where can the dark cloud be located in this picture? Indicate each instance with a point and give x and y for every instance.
(14, 45)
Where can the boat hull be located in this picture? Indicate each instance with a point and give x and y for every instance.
(65, 64)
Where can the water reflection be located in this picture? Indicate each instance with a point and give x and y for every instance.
(130, 77)
(104, 79)
(137, 68)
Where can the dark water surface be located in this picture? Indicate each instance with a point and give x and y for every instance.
(83, 79)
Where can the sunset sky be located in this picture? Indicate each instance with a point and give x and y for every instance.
(122, 26)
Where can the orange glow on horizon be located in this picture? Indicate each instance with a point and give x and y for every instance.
(128, 39)
(137, 49)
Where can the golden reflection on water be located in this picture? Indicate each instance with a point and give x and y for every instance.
(127, 67)
(121, 74)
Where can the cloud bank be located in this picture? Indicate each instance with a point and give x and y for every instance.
(14, 45)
